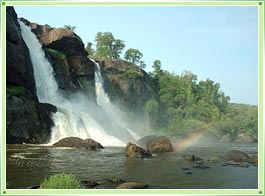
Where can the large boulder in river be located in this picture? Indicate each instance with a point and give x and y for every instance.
(142, 142)
(236, 155)
(159, 145)
(76, 142)
(134, 151)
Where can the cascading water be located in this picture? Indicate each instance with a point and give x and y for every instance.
(76, 116)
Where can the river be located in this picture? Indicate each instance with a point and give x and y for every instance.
(29, 164)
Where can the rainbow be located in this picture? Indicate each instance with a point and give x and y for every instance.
(192, 138)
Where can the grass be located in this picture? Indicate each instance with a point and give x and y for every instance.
(61, 181)
(16, 90)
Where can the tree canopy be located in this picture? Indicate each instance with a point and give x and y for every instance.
(108, 46)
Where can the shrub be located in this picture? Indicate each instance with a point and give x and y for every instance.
(16, 90)
(61, 181)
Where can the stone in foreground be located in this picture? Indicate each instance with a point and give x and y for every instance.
(132, 185)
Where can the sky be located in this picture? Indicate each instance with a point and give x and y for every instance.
(215, 42)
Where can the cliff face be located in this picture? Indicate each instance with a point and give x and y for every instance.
(27, 120)
(127, 85)
(65, 50)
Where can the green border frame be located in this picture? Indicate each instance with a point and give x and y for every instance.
(258, 191)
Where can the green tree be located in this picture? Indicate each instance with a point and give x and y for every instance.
(89, 49)
(133, 55)
(152, 107)
(70, 27)
(108, 46)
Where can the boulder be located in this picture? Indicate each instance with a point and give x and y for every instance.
(109, 183)
(132, 185)
(142, 142)
(236, 156)
(76, 142)
(253, 159)
(244, 138)
(191, 157)
(159, 145)
(134, 151)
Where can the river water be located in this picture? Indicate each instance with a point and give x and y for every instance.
(29, 164)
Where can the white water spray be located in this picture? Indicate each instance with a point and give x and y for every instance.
(76, 116)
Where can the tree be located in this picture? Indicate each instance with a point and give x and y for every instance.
(157, 67)
(70, 27)
(89, 49)
(133, 55)
(108, 46)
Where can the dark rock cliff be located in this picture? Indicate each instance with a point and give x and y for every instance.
(65, 50)
(27, 120)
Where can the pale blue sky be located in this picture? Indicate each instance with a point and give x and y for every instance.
(219, 42)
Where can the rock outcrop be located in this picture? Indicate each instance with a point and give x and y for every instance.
(76, 142)
(27, 120)
(134, 151)
(19, 71)
(65, 50)
(159, 145)
(130, 86)
(235, 155)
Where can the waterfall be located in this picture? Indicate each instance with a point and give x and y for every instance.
(76, 115)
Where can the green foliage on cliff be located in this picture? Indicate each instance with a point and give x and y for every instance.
(61, 181)
(56, 53)
(130, 74)
(184, 104)
(15, 90)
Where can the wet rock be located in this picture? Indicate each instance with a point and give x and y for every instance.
(28, 121)
(132, 185)
(159, 144)
(191, 157)
(142, 142)
(188, 172)
(253, 160)
(134, 151)
(236, 156)
(89, 184)
(78, 143)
